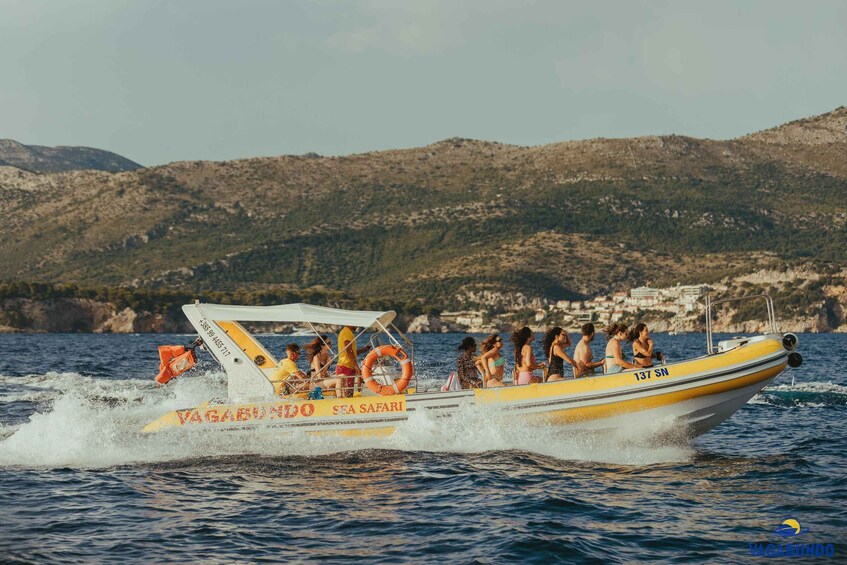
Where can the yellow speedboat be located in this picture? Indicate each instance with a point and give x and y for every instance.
(687, 398)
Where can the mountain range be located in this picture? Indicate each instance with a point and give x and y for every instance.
(39, 159)
(457, 224)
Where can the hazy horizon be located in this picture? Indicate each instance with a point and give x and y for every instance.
(157, 82)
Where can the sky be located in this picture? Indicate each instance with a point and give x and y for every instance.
(162, 81)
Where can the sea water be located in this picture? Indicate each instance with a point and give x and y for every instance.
(78, 482)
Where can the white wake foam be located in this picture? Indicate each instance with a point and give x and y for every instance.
(810, 387)
(89, 422)
(474, 430)
(812, 394)
(759, 399)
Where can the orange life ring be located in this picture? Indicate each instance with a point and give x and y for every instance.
(397, 386)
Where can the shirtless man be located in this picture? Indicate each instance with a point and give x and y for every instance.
(584, 363)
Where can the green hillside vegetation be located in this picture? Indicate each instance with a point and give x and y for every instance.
(163, 301)
(798, 300)
(429, 226)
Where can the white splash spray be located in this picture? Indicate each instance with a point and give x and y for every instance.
(89, 422)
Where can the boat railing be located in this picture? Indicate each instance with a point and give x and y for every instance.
(710, 304)
(407, 345)
(384, 369)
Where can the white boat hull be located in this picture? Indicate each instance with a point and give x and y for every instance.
(682, 400)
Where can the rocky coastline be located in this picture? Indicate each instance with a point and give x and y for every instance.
(812, 324)
(80, 315)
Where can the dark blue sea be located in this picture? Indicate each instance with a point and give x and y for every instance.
(79, 483)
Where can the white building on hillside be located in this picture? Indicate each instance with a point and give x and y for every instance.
(644, 292)
(693, 291)
(470, 318)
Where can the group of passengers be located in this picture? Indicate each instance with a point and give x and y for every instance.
(488, 368)
(289, 379)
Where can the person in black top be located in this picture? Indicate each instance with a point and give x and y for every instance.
(555, 341)
(642, 346)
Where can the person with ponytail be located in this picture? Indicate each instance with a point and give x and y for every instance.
(319, 361)
(615, 363)
(642, 346)
(493, 361)
(525, 362)
(555, 341)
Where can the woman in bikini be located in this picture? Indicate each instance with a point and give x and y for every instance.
(642, 346)
(555, 341)
(319, 363)
(493, 361)
(615, 363)
(525, 362)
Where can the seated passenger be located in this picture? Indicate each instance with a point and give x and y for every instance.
(525, 362)
(642, 346)
(466, 364)
(493, 362)
(288, 379)
(555, 341)
(319, 364)
(583, 355)
(615, 363)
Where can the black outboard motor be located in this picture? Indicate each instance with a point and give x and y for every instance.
(789, 342)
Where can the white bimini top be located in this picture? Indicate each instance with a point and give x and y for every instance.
(296, 313)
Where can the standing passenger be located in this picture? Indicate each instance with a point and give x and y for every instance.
(583, 355)
(347, 366)
(525, 362)
(555, 341)
(615, 363)
(466, 365)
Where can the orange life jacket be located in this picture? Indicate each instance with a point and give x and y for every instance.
(176, 359)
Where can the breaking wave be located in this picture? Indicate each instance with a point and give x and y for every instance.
(809, 395)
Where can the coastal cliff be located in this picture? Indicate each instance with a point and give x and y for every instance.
(70, 315)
